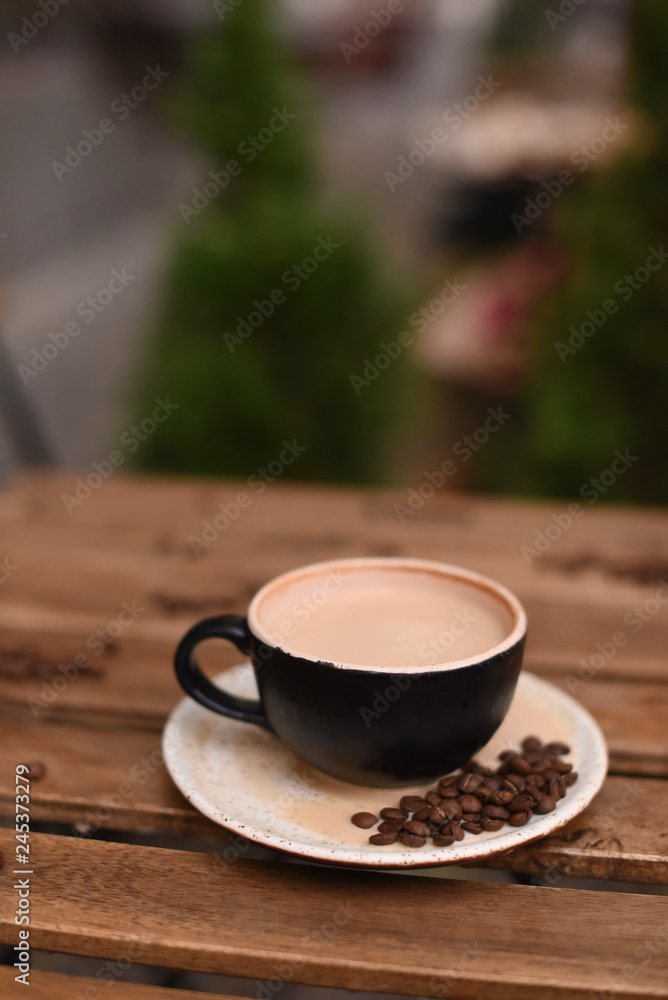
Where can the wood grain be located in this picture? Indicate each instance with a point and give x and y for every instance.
(339, 928)
(56, 986)
(129, 543)
(119, 782)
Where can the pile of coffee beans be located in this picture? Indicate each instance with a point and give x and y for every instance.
(476, 798)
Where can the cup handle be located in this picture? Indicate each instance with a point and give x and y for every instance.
(199, 687)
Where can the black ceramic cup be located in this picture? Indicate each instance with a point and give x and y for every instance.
(371, 723)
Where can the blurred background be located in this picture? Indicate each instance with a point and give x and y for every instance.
(411, 238)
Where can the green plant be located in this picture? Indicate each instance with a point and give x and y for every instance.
(243, 386)
(578, 408)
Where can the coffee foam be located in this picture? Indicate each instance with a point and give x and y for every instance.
(385, 613)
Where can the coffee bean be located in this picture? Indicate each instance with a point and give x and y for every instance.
(451, 792)
(36, 770)
(470, 804)
(387, 827)
(484, 793)
(451, 809)
(412, 802)
(440, 841)
(380, 839)
(417, 829)
(411, 840)
(517, 765)
(476, 798)
(364, 820)
(489, 825)
(470, 782)
(495, 812)
(531, 743)
(554, 789)
(522, 801)
(394, 814)
(449, 779)
(502, 797)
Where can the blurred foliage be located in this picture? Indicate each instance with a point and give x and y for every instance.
(610, 394)
(239, 396)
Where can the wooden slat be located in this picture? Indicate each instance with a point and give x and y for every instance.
(339, 928)
(129, 542)
(133, 536)
(135, 687)
(620, 836)
(56, 986)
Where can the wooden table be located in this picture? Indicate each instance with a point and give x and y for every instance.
(127, 546)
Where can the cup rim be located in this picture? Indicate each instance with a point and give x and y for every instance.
(450, 570)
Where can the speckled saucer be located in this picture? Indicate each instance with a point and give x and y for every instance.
(244, 779)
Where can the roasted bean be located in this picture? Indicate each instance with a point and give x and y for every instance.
(364, 820)
(411, 840)
(380, 839)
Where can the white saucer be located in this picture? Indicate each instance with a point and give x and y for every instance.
(246, 780)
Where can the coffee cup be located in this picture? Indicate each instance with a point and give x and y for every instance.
(386, 672)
